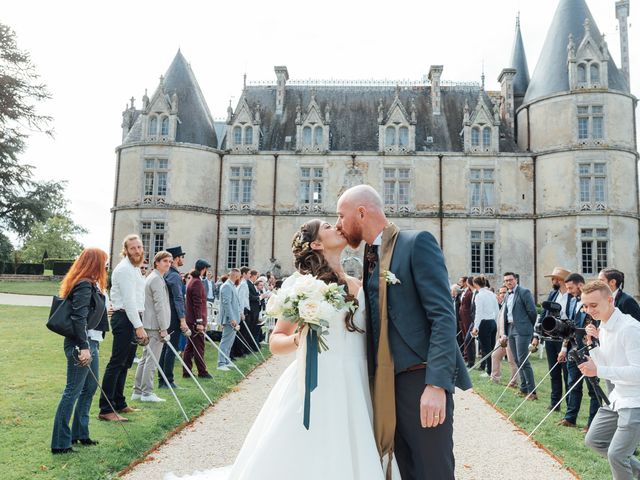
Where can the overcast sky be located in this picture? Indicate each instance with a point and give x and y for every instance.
(94, 56)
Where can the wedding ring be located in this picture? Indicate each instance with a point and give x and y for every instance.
(436, 416)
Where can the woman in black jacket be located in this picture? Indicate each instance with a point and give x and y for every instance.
(83, 286)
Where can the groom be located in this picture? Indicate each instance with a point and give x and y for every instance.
(414, 359)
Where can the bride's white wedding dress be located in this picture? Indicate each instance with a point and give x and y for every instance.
(339, 444)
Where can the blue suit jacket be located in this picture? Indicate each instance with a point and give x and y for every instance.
(422, 323)
(524, 313)
(229, 304)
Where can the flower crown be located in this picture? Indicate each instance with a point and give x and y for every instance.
(299, 244)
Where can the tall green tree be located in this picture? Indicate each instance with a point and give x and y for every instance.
(23, 200)
(56, 236)
(6, 249)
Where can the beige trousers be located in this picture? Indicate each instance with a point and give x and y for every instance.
(146, 372)
(496, 360)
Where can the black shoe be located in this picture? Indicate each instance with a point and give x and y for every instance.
(58, 451)
(208, 375)
(86, 441)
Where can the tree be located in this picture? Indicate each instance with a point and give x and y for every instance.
(57, 236)
(6, 249)
(23, 200)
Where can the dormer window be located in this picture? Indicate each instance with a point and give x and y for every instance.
(588, 63)
(582, 73)
(237, 135)
(475, 137)
(165, 126)
(486, 137)
(594, 73)
(481, 129)
(248, 135)
(397, 131)
(244, 127)
(312, 133)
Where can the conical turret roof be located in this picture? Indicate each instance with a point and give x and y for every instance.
(519, 62)
(196, 123)
(551, 74)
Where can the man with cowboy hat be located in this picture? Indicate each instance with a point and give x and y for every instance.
(559, 295)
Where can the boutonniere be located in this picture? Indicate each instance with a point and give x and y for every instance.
(391, 278)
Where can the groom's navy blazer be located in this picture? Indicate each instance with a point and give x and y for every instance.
(422, 323)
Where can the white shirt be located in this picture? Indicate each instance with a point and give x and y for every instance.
(378, 240)
(127, 291)
(486, 306)
(561, 298)
(243, 295)
(618, 359)
(510, 298)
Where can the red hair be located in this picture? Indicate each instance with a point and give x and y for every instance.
(91, 265)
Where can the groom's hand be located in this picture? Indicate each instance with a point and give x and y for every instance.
(433, 406)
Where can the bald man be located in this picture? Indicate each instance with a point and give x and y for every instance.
(421, 326)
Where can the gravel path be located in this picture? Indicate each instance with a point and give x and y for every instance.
(508, 454)
(25, 300)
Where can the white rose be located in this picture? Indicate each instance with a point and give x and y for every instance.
(275, 305)
(309, 310)
(305, 286)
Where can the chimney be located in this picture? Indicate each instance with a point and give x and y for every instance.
(507, 106)
(622, 14)
(435, 72)
(283, 75)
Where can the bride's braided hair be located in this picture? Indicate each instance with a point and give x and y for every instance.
(310, 261)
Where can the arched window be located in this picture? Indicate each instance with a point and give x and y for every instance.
(248, 135)
(475, 137)
(486, 137)
(153, 126)
(306, 136)
(582, 73)
(390, 136)
(403, 137)
(237, 135)
(165, 126)
(594, 73)
(317, 136)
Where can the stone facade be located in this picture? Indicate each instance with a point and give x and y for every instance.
(542, 173)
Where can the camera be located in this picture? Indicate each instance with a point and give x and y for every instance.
(555, 328)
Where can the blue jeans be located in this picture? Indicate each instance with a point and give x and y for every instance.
(574, 400)
(76, 398)
(519, 345)
(558, 371)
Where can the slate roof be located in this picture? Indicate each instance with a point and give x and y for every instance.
(354, 115)
(519, 62)
(195, 125)
(551, 74)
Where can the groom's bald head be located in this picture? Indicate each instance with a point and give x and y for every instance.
(360, 214)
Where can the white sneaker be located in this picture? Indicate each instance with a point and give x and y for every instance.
(151, 398)
(136, 360)
(224, 368)
(135, 396)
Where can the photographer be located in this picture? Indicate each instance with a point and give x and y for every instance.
(615, 431)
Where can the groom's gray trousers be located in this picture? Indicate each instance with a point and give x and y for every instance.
(228, 336)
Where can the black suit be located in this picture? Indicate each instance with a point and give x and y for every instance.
(627, 304)
(553, 348)
(253, 316)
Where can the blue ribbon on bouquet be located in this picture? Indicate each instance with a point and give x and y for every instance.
(310, 374)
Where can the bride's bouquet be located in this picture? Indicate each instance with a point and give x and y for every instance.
(310, 304)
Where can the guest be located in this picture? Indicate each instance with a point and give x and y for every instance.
(156, 320)
(229, 317)
(469, 343)
(624, 302)
(178, 323)
(127, 297)
(85, 281)
(484, 323)
(196, 309)
(465, 319)
(210, 287)
(503, 342)
(456, 296)
(253, 316)
(239, 349)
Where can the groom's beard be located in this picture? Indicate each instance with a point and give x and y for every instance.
(354, 239)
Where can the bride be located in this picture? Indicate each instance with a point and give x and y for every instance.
(340, 442)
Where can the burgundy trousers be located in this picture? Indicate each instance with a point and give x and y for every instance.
(198, 355)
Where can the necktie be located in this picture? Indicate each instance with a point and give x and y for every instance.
(372, 257)
(571, 307)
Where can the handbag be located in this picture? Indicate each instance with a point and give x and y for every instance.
(61, 309)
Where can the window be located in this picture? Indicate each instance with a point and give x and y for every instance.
(238, 247)
(390, 136)
(403, 137)
(152, 236)
(397, 184)
(486, 137)
(155, 177)
(153, 126)
(482, 252)
(311, 185)
(248, 135)
(240, 184)
(317, 134)
(165, 126)
(593, 180)
(237, 135)
(582, 73)
(306, 136)
(590, 122)
(482, 187)
(475, 137)
(594, 73)
(594, 249)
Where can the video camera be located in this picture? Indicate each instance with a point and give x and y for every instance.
(553, 327)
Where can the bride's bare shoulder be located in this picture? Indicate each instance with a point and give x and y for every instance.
(354, 284)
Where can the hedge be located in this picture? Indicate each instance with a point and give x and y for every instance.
(61, 267)
(48, 262)
(29, 268)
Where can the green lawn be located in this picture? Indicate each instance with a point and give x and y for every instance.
(30, 288)
(34, 370)
(566, 443)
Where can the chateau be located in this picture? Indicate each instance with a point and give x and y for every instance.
(542, 173)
